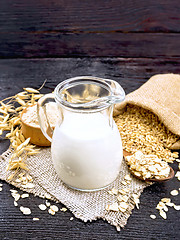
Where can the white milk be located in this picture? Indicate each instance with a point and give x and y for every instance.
(86, 151)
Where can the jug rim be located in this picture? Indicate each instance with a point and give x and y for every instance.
(90, 106)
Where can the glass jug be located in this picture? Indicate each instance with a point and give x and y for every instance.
(86, 145)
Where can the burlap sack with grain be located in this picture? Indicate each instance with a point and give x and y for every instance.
(161, 95)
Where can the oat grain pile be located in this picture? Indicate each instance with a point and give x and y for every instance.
(142, 130)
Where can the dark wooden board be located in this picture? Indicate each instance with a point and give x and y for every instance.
(134, 28)
(130, 73)
(89, 45)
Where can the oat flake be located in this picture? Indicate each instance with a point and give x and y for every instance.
(51, 211)
(63, 209)
(163, 214)
(42, 207)
(25, 210)
(177, 207)
(25, 195)
(54, 208)
(174, 192)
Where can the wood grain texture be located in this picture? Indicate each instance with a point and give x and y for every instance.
(90, 45)
(134, 28)
(131, 74)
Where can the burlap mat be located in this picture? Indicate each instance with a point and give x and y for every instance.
(160, 95)
(87, 206)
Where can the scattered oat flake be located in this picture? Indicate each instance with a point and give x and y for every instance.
(163, 214)
(54, 208)
(153, 216)
(118, 228)
(71, 218)
(51, 211)
(16, 196)
(24, 195)
(174, 192)
(63, 209)
(160, 205)
(166, 200)
(15, 204)
(113, 191)
(1, 189)
(1, 184)
(113, 207)
(176, 207)
(170, 204)
(165, 208)
(25, 210)
(177, 174)
(35, 219)
(47, 195)
(48, 204)
(42, 207)
(13, 191)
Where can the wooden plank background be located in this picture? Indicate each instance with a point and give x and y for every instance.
(125, 40)
(133, 28)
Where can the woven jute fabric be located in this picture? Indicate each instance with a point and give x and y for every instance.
(87, 206)
(161, 95)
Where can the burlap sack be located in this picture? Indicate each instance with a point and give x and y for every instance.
(161, 95)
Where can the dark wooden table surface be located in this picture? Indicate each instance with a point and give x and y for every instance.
(128, 41)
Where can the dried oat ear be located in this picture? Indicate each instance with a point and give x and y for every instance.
(10, 121)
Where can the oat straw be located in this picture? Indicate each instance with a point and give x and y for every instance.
(10, 121)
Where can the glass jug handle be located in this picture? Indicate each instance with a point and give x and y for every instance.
(42, 115)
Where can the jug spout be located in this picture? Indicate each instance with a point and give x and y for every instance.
(118, 94)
